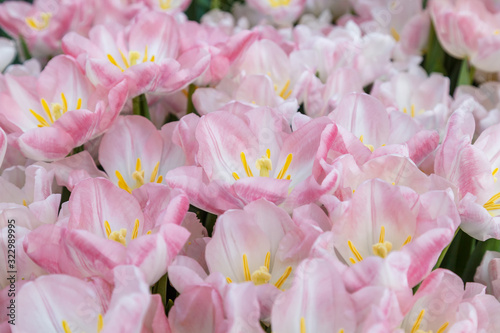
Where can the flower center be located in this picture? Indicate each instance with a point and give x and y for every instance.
(165, 4)
(412, 111)
(264, 165)
(133, 58)
(492, 205)
(39, 23)
(100, 324)
(262, 275)
(279, 3)
(416, 326)
(138, 177)
(381, 249)
(54, 111)
(121, 235)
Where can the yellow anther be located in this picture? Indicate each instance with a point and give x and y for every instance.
(65, 102)
(245, 165)
(235, 176)
(354, 251)
(285, 167)
(246, 270)
(284, 94)
(122, 183)
(25, 203)
(408, 239)
(229, 280)
(124, 59)
(283, 277)
(267, 261)
(443, 327)
(154, 173)
(107, 228)
(113, 61)
(491, 204)
(135, 231)
(160, 179)
(39, 24)
(261, 276)
(416, 325)
(65, 327)
(395, 34)
(412, 110)
(302, 325)
(145, 54)
(100, 323)
(47, 109)
(493, 174)
(361, 138)
(40, 119)
(119, 236)
(79, 104)
(152, 58)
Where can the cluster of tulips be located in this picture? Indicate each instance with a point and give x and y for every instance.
(282, 166)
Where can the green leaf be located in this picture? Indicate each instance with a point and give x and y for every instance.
(465, 75)
(160, 288)
(435, 57)
(477, 256)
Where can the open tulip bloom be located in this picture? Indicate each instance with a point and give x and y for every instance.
(257, 166)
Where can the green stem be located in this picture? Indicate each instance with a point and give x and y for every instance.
(24, 48)
(140, 106)
(160, 288)
(210, 223)
(465, 76)
(190, 105)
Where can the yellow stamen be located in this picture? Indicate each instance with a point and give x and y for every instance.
(229, 280)
(40, 119)
(65, 102)
(36, 24)
(246, 269)
(113, 61)
(361, 138)
(152, 58)
(267, 261)
(283, 93)
(154, 173)
(302, 325)
(395, 34)
(160, 179)
(491, 204)
(66, 327)
(148, 233)
(408, 239)
(412, 110)
(443, 327)
(354, 251)
(107, 228)
(416, 325)
(283, 277)
(24, 203)
(279, 3)
(122, 183)
(138, 174)
(493, 174)
(341, 330)
(245, 165)
(285, 167)
(145, 54)
(135, 231)
(382, 235)
(124, 59)
(79, 104)
(235, 176)
(100, 323)
(47, 109)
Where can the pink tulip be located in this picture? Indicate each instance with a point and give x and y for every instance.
(120, 229)
(472, 168)
(488, 273)
(442, 305)
(61, 303)
(43, 23)
(146, 53)
(282, 12)
(371, 225)
(468, 29)
(59, 111)
(262, 160)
